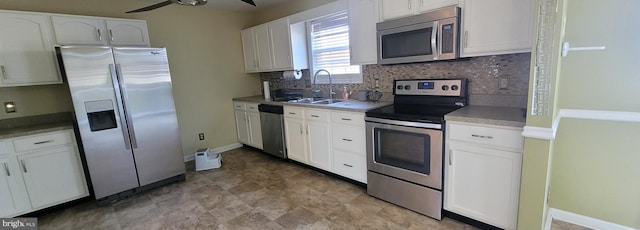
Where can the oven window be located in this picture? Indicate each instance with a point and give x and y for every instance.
(404, 150)
(407, 44)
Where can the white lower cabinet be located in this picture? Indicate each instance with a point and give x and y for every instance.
(40, 171)
(248, 124)
(295, 139)
(482, 173)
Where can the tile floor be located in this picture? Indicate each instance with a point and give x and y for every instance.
(250, 191)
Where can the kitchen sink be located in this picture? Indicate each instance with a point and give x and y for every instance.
(327, 101)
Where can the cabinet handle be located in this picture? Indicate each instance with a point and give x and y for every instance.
(315, 116)
(345, 139)
(292, 113)
(24, 167)
(6, 169)
(99, 34)
(350, 166)
(466, 38)
(450, 157)
(300, 130)
(345, 119)
(4, 72)
(43, 142)
(421, 2)
(409, 3)
(111, 34)
(481, 136)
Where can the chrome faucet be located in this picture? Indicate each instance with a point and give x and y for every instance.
(315, 76)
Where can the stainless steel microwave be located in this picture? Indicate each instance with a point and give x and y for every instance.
(425, 37)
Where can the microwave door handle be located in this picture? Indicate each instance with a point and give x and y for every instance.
(434, 40)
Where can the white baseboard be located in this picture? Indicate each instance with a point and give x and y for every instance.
(192, 157)
(581, 220)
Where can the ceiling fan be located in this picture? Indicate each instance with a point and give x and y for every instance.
(179, 2)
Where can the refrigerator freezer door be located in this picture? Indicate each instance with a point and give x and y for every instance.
(147, 92)
(108, 153)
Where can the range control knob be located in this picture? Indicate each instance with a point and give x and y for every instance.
(399, 87)
(445, 87)
(455, 87)
(407, 87)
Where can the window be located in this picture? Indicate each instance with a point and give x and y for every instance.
(329, 49)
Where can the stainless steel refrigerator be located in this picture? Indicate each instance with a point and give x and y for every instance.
(126, 117)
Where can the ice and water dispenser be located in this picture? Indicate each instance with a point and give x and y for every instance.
(101, 115)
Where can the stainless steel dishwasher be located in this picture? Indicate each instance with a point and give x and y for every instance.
(272, 123)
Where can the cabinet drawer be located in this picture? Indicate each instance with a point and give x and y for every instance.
(350, 165)
(5, 148)
(317, 115)
(252, 107)
(239, 105)
(508, 138)
(42, 141)
(294, 112)
(349, 138)
(348, 118)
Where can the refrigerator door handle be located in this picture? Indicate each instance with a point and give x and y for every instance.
(116, 85)
(127, 111)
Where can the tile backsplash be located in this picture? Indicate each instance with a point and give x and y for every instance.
(484, 74)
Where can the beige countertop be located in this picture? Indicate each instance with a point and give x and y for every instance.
(348, 105)
(35, 129)
(490, 115)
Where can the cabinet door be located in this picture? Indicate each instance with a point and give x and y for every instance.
(128, 32)
(390, 9)
(79, 31)
(483, 184)
(255, 130)
(496, 27)
(263, 47)
(319, 139)
(249, 50)
(53, 176)
(242, 127)
(295, 140)
(13, 195)
(26, 53)
(428, 5)
(363, 16)
(279, 35)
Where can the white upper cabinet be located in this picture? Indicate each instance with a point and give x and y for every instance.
(128, 32)
(26, 53)
(280, 43)
(71, 30)
(363, 16)
(249, 50)
(390, 9)
(492, 27)
(275, 46)
(263, 47)
(82, 30)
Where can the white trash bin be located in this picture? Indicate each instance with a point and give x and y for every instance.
(207, 160)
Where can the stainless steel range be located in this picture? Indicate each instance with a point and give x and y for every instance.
(405, 143)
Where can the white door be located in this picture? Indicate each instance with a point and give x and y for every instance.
(13, 196)
(71, 30)
(319, 140)
(53, 176)
(390, 9)
(242, 127)
(295, 138)
(363, 16)
(26, 53)
(263, 47)
(483, 184)
(428, 5)
(128, 32)
(249, 50)
(255, 130)
(279, 36)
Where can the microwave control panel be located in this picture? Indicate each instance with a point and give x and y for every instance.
(430, 87)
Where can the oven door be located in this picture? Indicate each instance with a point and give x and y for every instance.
(408, 151)
(413, 43)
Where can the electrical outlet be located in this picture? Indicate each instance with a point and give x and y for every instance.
(201, 136)
(503, 83)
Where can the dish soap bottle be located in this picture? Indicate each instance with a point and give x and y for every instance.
(345, 94)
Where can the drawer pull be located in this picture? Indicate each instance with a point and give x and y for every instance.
(315, 116)
(481, 136)
(350, 166)
(345, 139)
(6, 169)
(345, 119)
(292, 113)
(252, 107)
(43, 142)
(24, 167)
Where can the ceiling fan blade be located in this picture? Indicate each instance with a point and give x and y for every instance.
(151, 7)
(250, 2)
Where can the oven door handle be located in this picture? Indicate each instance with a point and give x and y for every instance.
(404, 123)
